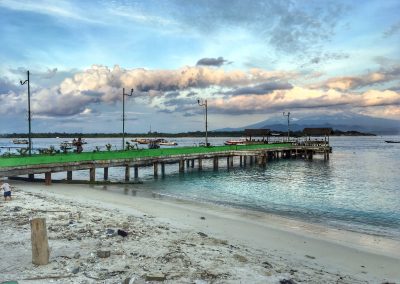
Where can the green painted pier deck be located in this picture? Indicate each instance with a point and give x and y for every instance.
(69, 162)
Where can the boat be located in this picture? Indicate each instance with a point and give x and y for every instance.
(164, 142)
(20, 141)
(391, 141)
(235, 142)
(141, 141)
(167, 143)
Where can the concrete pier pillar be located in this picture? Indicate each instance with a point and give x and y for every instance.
(244, 161)
(105, 173)
(187, 163)
(155, 167)
(69, 175)
(260, 160)
(251, 158)
(31, 177)
(255, 159)
(47, 178)
(92, 174)
(200, 164)
(215, 163)
(228, 164)
(192, 163)
(231, 161)
(136, 171)
(127, 173)
(241, 161)
(181, 166)
(163, 169)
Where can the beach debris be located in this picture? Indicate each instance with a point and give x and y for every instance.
(266, 264)
(75, 270)
(287, 281)
(103, 253)
(155, 277)
(111, 233)
(17, 209)
(202, 218)
(122, 233)
(77, 255)
(240, 258)
(201, 234)
(310, 256)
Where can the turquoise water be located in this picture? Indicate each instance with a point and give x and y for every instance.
(357, 189)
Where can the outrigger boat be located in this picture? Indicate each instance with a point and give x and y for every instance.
(20, 141)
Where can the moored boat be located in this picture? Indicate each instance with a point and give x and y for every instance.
(391, 141)
(20, 141)
(235, 142)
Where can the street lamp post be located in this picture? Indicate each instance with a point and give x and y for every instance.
(204, 104)
(288, 124)
(123, 115)
(29, 112)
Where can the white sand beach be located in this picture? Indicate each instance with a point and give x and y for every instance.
(178, 241)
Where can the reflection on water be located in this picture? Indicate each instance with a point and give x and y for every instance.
(357, 189)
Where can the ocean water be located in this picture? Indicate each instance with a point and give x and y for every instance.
(358, 189)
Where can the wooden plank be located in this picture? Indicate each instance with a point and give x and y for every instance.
(40, 244)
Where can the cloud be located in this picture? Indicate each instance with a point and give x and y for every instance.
(383, 75)
(392, 30)
(326, 57)
(301, 98)
(261, 89)
(100, 84)
(211, 62)
(288, 26)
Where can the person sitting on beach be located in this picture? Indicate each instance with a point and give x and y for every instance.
(7, 190)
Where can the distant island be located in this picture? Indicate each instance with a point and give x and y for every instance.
(162, 134)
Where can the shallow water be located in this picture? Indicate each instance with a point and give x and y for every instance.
(357, 189)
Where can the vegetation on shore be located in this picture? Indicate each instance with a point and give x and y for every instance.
(161, 134)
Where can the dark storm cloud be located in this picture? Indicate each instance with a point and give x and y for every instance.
(211, 62)
(260, 89)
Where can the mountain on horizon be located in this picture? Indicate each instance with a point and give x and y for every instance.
(343, 122)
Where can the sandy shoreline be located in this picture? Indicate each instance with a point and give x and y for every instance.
(183, 242)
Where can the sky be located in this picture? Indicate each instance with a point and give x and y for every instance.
(251, 60)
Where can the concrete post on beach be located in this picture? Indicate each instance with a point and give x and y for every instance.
(200, 164)
(136, 172)
(192, 163)
(40, 244)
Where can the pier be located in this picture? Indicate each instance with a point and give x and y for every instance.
(184, 157)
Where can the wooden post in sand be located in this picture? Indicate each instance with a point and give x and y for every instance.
(40, 244)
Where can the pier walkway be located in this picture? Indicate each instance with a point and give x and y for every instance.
(69, 162)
